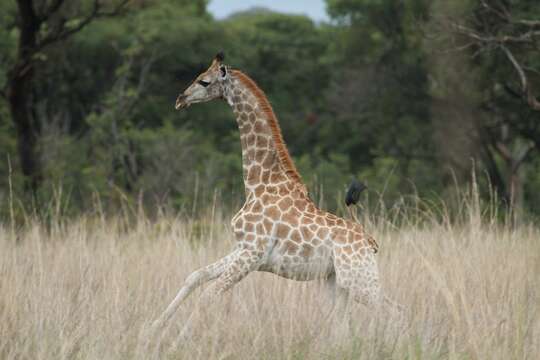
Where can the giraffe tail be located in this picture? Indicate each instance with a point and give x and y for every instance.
(353, 193)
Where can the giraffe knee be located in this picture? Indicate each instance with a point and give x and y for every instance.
(197, 277)
(368, 295)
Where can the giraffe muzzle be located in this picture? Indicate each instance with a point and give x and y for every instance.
(181, 102)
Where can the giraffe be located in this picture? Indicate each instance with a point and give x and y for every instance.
(278, 229)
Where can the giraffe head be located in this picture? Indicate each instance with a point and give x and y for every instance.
(207, 86)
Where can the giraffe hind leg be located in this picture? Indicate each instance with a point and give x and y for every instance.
(358, 274)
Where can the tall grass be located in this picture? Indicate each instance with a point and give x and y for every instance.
(88, 288)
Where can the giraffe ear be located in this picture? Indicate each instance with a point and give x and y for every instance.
(223, 71)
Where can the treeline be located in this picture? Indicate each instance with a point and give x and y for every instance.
(412, 97)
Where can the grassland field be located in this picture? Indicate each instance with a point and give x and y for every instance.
(89, 288)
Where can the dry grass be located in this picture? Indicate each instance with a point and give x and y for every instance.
(88, 289)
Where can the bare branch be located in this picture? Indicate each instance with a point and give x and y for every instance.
(503, 150)
(521, 34)
(521, 157)
(456, 49)
(527, 37)
(512, 91)
(529, 23)
(64, 33)
(55, 6)
(504, 14)
(505, 10)
(533, 103)
(530, 69)
(95, 13)
(51, 10)
(501, 13)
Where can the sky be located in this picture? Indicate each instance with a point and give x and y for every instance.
(315, 9)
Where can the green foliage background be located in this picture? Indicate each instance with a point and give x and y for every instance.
(356, 97)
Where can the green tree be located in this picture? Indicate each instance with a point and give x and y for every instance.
(39, 25)
(498, 43)
(381, 93)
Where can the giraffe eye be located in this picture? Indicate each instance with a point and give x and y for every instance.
(204, 83)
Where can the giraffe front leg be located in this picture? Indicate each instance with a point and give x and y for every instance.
(244, 262)
(193, 281)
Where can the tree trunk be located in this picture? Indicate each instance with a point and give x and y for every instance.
(27, 132)
(495, 177)
(20, 83)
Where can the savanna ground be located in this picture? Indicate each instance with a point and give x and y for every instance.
(89, 288)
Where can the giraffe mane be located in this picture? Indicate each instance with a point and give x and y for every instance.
(281, 148)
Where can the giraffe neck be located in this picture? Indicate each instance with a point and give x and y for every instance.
(265, 158)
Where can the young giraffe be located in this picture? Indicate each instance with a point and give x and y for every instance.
(278, 229)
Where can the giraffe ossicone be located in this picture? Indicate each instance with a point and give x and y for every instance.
(278, 229)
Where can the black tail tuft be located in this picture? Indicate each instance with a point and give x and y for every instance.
(353, 194)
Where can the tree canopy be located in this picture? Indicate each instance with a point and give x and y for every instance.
(408, 96)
